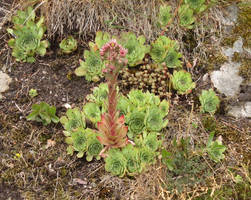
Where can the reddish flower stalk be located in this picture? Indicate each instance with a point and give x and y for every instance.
(112, 129)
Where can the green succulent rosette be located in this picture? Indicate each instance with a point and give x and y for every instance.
(77, 142)
(154, 120)
(151, 141)
(164, 50)
(44, 113)
(123, 105)
(164, 16)
(94, 147)
(73, 120)
(198, 6)
(146, 155)
(136, 123)
(92, 112)
(137, 97)
(27, 41)
(99, 96)
(182, 82)
(133, 163)
(135, 46)
(186, 16)
(209, 101)
(172, 59)
(92, 67)
(68, 45)
(116, 162)
(100, 39)
(160, 48)
(164, 107)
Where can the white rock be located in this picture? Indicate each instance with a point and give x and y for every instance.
(5, 80)
(227, 80)
(241, 111)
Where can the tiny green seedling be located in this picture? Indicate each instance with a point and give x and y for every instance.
(33, 93)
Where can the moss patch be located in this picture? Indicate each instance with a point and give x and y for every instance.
(242, 27)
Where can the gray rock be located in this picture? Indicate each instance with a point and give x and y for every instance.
(237, 47)
(227, 80)
(241, 111)
(5, 80)
(231, 16)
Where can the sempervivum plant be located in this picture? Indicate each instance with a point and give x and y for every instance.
(113, 132)
(135, 46)
(182, 82)
(154, 120)
(92, 112)
(186, 16)
(137, 97)
(160, 48)
(27, 42)
(197, 5)
(146, 155)
(209, 101)
(99, 95)
(73, 120)
(151, 141)
(94, 147)
(133, 163)
(135, 123)
(164, 16)
(172, 59)
(77, 141)
(100, 39)
(165, 50)
(92, 67)
(115, 162)
(68, 45)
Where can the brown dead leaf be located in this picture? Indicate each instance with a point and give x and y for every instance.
(50, 143)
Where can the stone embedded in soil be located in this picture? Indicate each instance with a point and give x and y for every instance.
(241, 111)
(237, 47)
(5, 80)
(230, 17)
(227, 80)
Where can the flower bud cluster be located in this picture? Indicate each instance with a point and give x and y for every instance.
(115, 54)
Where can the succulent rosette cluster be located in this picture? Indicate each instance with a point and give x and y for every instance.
(28, 34)
(165, 51)
(79, 138)
(127, 126)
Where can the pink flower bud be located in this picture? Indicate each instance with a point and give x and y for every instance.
(123, 52)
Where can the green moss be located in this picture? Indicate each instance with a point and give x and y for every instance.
(215, 61)
(242, 27)
(209, 123)
(245, 71)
